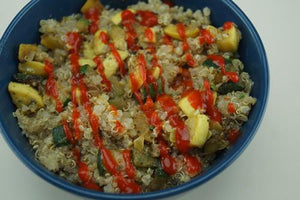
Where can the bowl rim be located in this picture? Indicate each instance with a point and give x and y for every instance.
(40, 171)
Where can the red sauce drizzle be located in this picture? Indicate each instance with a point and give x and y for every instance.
(128, 19)
(105, 39)
(168, 163)
(100, 69)
(220, 61)
(206, 37)
(84, 173)
(193, 165)
(170, 3)
(68, 132)
(233, 135)
(167, 40)
(149, 34)
(213, 112)
(185, 45)
(51, 88)
(182, 137)
(148, 18)
(231, 108)
(196, 99)
(128, 165)
(93, 16)
(227, 25)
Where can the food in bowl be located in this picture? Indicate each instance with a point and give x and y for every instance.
(131, 101)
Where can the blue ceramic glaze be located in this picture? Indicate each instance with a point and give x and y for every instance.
(24, 29)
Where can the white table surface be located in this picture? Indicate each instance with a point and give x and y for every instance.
(268, 169)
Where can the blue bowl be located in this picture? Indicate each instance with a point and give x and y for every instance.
(24, 29)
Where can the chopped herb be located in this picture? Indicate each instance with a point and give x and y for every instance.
(242, 96)
(159, 84)
(230, 87)
(213, 87)
(151, 128)
(83, 69)
(100, 166)
(66, 102)
(59, 136)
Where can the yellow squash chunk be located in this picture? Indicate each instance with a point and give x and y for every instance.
(25, 50)
(98, 45)
(117, 18)
(78, 96)
(118, 36)
(32, 68)
(88, 51)
(52, 42)
(84, 61)
(186, 106)
(91, 4)
(153, 40)
(82, 25)
(172, 31)
(198, 126)
(230, 40)
(111, 65)
(138, 143)
(23, 94)
(156, 72)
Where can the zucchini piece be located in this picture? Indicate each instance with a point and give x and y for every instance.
(172, 31)
(83, 69)
(215, 143)
(100, 165)
(91, 4)
(24, 94)
(84, 61)
(160, 86)
(138, 143)
(32, 80)
(59, 136)
(52, 42)
(230, 87)
(152, 92)
(66, 102)
(209, 63)
(143, 159)
(32, 68)
(159, 172)
(83, 25)
(25, 50)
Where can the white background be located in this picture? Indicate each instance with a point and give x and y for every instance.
(268, 169)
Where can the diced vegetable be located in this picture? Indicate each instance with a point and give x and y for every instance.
(24, 94)
(83, 69)
(25, 50)
(118, 36)
(52, 42)
(230, 40)
(83, 25)
(91, 4)
(32, 80)
(230, 87)
(59, 136)
(100, 165)
(138, 143)
(32, 68)
(143, 159)
(156, 72)
(159, 172)
(98, 46)
(198, 126)
(171, 30)
(110, 64)
(214, 125)
(215, 143)
(186, 106)
(66, 102)
(210, 63)
(160, 86)
(89, 62)
(117, 18)
(150, 35)
(88, 51)
(117, 86)
(118, 102)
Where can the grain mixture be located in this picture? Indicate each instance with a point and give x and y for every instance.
(130, 101)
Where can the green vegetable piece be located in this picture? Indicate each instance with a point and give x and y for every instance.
(160, 171)
(230, 87)
(66, 102)
(152, 91)
(32, 80)
(242, 95)
(213, 87)
(143, 159)
(144, 94)
(83, 69)
(83, 25)
(159, 84)
(215, 143)
(118, 102)
(151, 128)
(59, 136)
(100, 166)
(228, 61)
(209, 63)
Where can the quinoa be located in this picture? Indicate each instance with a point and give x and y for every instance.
(139, 113)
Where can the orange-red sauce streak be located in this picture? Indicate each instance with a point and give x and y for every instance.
(149, 35)
(93, 16)
(128, 20)
(211, 110)
(227, 25)
(206, 37)
(105, 39)
(51, 88)
(220, 61)
(185, 45)
(100, 69)
(68, 132)
(193, 165)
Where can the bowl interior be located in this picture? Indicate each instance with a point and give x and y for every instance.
(24, 29)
